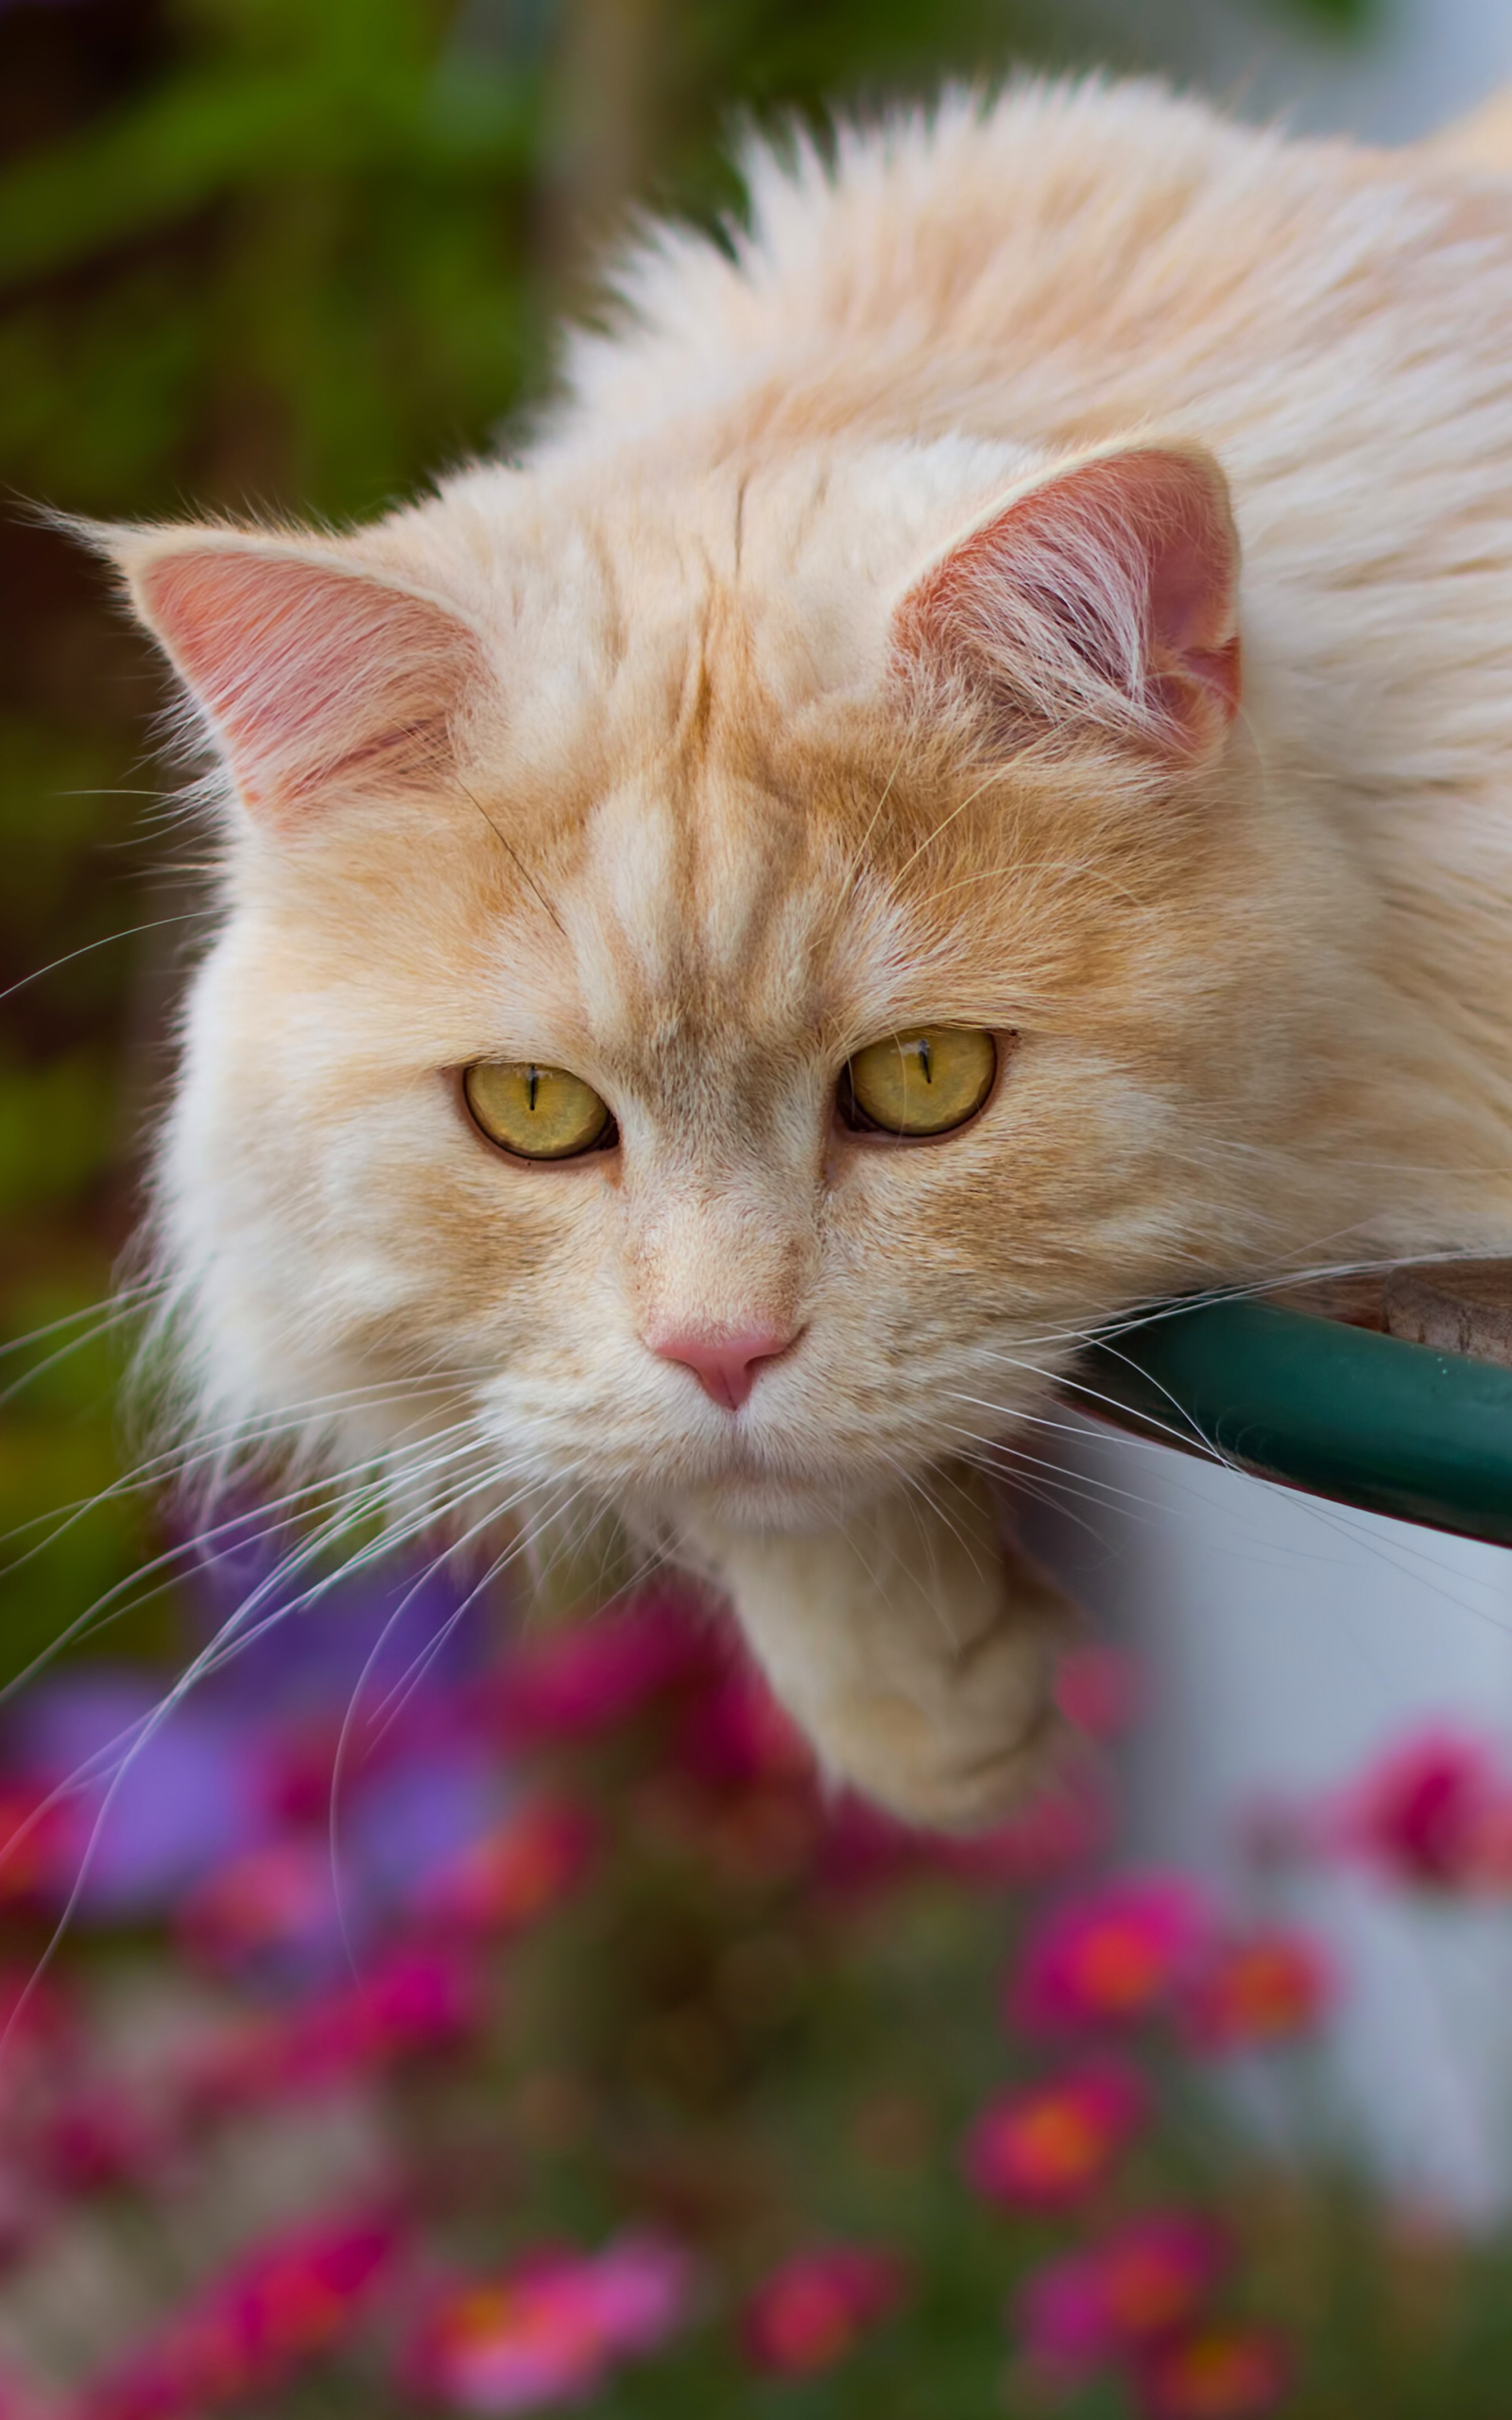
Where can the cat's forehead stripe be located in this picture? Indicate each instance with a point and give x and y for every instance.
(682, 899)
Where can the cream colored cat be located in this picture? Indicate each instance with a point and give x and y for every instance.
(966, 782)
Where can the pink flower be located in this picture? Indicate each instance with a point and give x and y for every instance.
(1265, 1987)
(812, 2311)
(1047, 2147)
(20, 2400)
(577, 1682)
(1219, 2372)
(277, 1899)
(99, 2133)
(550, 2328)
(1111, 1955)
(39, 1844)
(1433, 1812)
(516, 1872)
(414, 2001)
(735, 1734)
(1133, 2289)
(283, 2304)
(1097, 1690)
(1063, 1825)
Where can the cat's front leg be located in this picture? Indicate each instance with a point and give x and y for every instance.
(915, 1647)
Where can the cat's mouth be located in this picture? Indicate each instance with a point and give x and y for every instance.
(766, 1477)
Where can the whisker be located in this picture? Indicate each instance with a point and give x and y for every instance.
(193, 916)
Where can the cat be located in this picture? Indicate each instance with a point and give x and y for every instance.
(963, 784)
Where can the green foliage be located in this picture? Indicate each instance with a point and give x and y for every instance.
(1345, 20)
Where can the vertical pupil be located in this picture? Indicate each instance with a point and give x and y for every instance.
(532, 1081)
(922, 1048)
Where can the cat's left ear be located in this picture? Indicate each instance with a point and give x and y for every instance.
(318, 679)
(1104, 598)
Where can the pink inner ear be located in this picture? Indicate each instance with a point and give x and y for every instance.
(314, 678)
(1108, 595)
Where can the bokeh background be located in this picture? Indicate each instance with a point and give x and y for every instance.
(590, 2057)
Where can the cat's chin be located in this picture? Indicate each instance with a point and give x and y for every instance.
(796, 1507)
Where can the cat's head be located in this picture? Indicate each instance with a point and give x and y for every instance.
(690, 791)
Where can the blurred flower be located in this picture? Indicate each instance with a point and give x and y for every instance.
(1139, 2284)
(1097, 1690)
(422, 1837)
(23, 2399)
(153, 1804)
(1064, 1824)
(577, 1682)
(414, 2000)
(36, 1835)
(1263, 1988)
(812, 2311)
(1111, 1955)
(360, 1637)
(515, 1871)
(548, 2331)
(1435, 1812)
(1061, 1826)
(283, 2304)
(1046, 2147)
(272, 1912)
(101, 2133)
(406, 1821)
(736, 1734)
(1217, 2372)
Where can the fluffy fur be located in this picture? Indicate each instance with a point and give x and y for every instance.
(858, 648)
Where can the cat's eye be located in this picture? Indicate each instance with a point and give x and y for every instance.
(925, 1082)
(540, 1112)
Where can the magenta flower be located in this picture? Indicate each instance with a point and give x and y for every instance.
(22, 2399)
(273, 1910)
(1148, 2279)
(812, 2311)
(1263, 1988)
(285, 2303)
(1217, 2371)
(736, 1735)
(551, 2329)
(98, 2133)
(1433, 1812)
(1062, 1826)
(38, 1846)
(414, 2001)
(575, 1682)
(1048, 2146)
(1111, 1955)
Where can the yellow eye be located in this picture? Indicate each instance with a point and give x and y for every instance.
(923, 1082)
(541, 1113)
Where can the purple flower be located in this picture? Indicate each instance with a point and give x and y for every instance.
(151, 1804)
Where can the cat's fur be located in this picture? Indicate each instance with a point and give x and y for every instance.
(857, 649)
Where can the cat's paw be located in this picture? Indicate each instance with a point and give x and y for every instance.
(915, 1647)
(967, 1754)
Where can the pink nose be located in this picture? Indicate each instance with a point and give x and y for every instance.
(726, 1366)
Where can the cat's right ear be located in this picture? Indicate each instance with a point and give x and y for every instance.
(316, 680)
(1103, 599)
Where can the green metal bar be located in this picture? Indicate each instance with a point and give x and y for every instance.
(1339, 1410)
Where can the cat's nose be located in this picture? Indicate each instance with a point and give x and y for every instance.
(726, 1364)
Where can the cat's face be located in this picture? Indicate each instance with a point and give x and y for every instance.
(563, 780)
